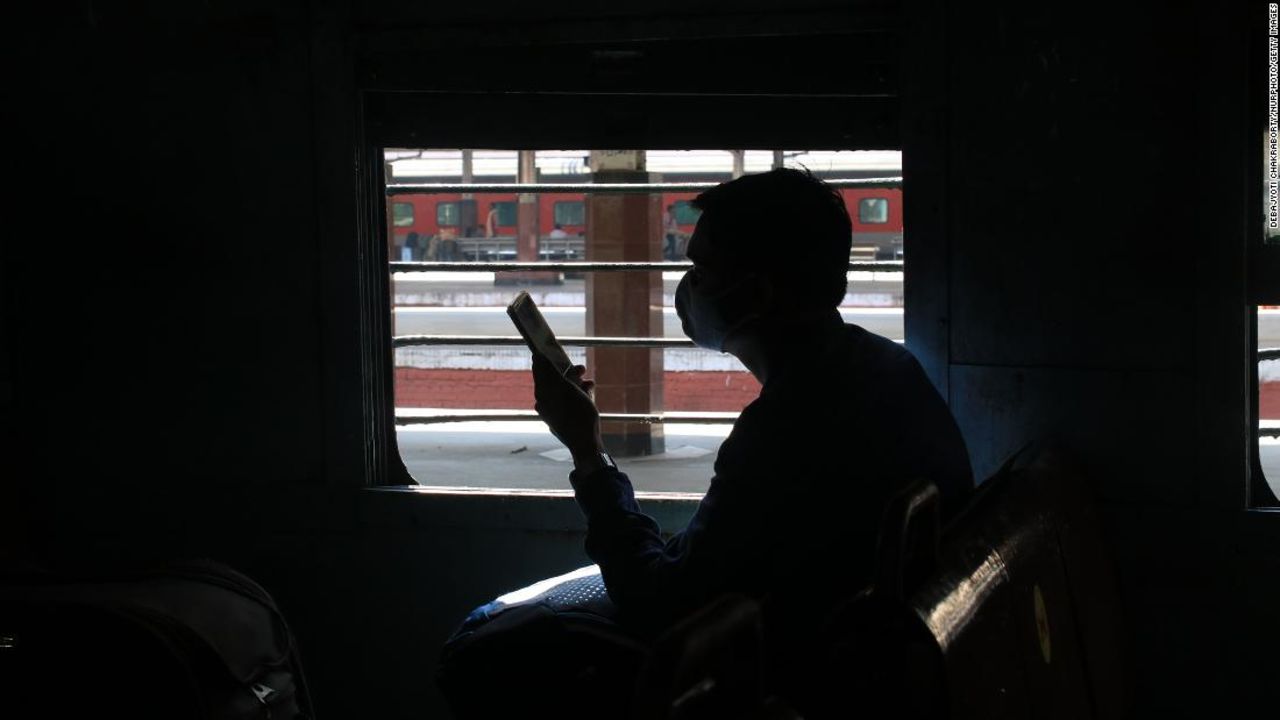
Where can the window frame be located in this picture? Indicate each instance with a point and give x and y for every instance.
(395, 118)
(1262, 281)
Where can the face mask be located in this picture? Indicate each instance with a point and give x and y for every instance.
(707, 318)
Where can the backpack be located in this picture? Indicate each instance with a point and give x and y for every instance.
(191, 640)
(553, 649)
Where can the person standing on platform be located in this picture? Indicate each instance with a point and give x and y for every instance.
(409, 251)
(672, 231)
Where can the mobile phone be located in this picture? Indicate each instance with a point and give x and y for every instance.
(537, 333)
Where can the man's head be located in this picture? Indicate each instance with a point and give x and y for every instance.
(786, 225)
(770, 244)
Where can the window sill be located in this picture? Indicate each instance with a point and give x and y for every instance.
(503, 510)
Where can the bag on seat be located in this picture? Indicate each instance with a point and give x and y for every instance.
(552, 649)
(191, 640)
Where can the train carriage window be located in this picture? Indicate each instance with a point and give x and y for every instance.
(448, 214)
(570, 212)
(686, 213)
(437, 384)
(402, 214)
(873, 210)
(506, 215)
(1264, 292)
(1268, 381)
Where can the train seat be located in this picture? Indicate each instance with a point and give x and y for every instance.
(709, 666)
(1008, 611)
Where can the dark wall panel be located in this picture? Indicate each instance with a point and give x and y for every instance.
(164, 294)
(1069, 226)
(1127, 446)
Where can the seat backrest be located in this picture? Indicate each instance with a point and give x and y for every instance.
(1023, 604)
(1010, 611)
(709, 665)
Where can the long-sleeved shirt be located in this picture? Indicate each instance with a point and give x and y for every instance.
(798, 491)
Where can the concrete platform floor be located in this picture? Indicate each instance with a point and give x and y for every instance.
(524, 455)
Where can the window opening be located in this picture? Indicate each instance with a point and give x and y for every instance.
(873, 211)
(448, 214)
(467, 375)
(686, 213)
(1264, 293)
(402, 214)
(571, 212)
(1269, 395)
(504, 214)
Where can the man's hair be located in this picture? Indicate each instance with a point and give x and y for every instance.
(787, 224)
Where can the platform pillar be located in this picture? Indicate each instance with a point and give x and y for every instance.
(625, 228)
(527, 230)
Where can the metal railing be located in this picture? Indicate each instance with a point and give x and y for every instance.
(530, 415)
(586, 266)
(401, 341)
(1268, 354)
(398, 189)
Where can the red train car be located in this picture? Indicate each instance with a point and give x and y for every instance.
(446, 226)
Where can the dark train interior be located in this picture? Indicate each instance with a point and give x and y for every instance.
(196, 354)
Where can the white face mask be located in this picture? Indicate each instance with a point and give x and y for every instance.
(709, 318)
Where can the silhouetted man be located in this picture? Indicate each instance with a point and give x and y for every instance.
(845, 419)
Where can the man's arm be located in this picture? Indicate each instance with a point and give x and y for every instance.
(644, 575)
(725, 547)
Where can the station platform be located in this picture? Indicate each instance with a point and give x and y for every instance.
(526, 456)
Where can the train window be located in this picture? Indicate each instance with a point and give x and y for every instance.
(686, 213)
(448, 214)
(873, 210)
(1264, 292)
(1269, 395)
(402, 214)
(570, 212)
(439, 384)
(506, 214)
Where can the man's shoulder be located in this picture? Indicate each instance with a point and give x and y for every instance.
(872, 355)
(872, 344)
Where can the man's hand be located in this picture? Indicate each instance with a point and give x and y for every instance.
(565, 405)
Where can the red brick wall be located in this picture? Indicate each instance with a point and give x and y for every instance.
(1269, 401)
(688, 391)
(513, 389)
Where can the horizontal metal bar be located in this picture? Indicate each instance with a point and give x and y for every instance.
(530, 415)
(576, 266)
(611, 188)
(568, 265)
(400, 341)
(1269, 353)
